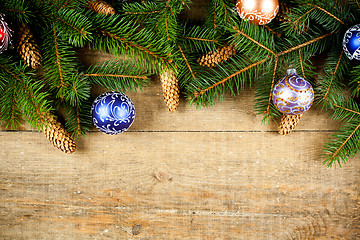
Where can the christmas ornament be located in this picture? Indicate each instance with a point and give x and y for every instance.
(351, 42)
(259, 12)
(113, 112)
(58, 136)
(170, 89)
(293, 95)
(220, 55)
(100, 6)
(5, 34)
(28, 48)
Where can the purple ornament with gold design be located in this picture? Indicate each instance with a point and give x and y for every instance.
(293, 95)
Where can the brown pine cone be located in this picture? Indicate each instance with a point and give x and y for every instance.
(284, 10)
(28, 48)
(100, 6)
(211, 59)
(58, 136)
(288, 123)
(170, 88)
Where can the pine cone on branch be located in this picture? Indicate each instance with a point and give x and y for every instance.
(100, 6)
(211, 59)
(284, 10)
(170, 88)
(58, 136)
(288, 123)
(28, 48)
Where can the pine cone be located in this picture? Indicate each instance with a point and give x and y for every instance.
(58, 136)
(284, 10)
(288, 123)
(221, 54)
(170, 88)
(100, 6)
(28, 48)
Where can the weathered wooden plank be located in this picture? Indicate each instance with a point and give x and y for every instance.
(176, 185)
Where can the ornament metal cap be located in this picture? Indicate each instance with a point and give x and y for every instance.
(291, 71)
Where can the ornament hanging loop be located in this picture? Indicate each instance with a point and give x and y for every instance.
(291, 71)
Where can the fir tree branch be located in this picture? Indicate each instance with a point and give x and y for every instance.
(347, 109)
(302, 16)
(78, 94)
(272, 87)
(142, 13)
(203, 91)
(330, 87)
(117, 75)
(58, 63)
(349, 143)
(304, 44)
(330, 14)
(121, 38)
(198, 39)
(333, 76)
(18, 10)
(215, 26)
(301, 64)
(226, 12)
(253, 40)
(345, 143)
(10, 113)
(74, 27)
(272, 31)
(220, 14)
(201, 39)
(166, 26)
(30, 97)
(78, 119)
(186, 62)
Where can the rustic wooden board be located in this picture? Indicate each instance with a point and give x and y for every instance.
(213, 173)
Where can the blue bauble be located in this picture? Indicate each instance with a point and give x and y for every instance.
(113, 112)
(351, 42)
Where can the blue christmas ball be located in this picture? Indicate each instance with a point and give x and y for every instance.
(351, 42)
(113, 112)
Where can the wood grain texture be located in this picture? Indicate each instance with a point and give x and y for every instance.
(212, 173)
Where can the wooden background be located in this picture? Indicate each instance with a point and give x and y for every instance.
(213, 173)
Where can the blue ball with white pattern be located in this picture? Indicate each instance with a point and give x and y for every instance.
(351, 42)
(112, 112)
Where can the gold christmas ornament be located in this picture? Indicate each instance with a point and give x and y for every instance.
(259, 12)
(211, 59)
(100, 6)
(288, 123)
(28, 48)
(58, 136)
(170, 89)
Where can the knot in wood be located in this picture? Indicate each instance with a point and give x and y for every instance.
(136, 229)
(162, 176)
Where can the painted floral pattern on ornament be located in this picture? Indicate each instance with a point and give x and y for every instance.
(113, 113)
(293, 95)
(262, 16)
(5, 34)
